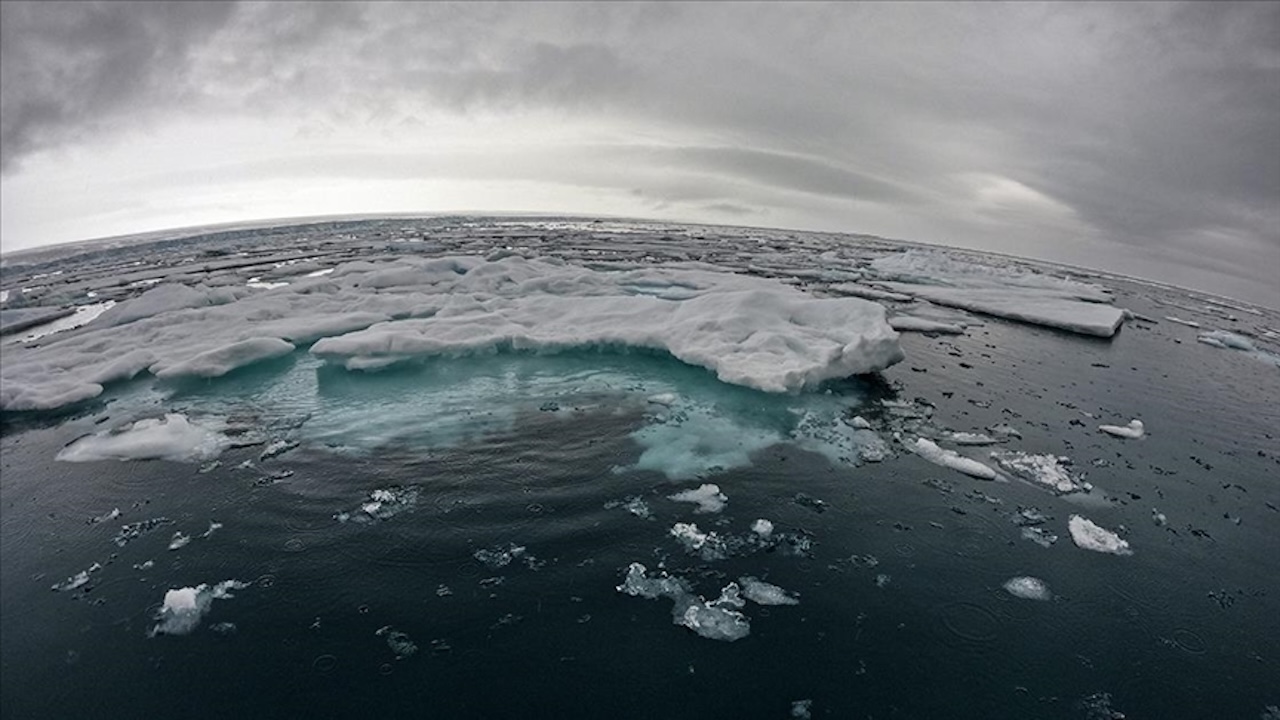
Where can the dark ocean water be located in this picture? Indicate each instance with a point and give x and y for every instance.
(898, 566)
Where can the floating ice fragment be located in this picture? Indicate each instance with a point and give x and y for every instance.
(709, 546)
(1232, 341)
(708, 498)
(1039, 536)
(638, 584)
(762, 527)
(1158, 518)
(179, 541)
(276, 448)
(132, 530)
(173, 437)
(115, 513)
(928, 450)
(1133, 430)
(1180, 321)
(802, 709)
(1089, 536)
(224, 629)
(500, 557)
(78, 580)
(718, 619)
(1005, 431)
(763, 593)
(398, 641)
(967, 438)
(212, 526)
(1028, 588)
(383, 504)
(860, 423)
(1049, 471)
(183, 608)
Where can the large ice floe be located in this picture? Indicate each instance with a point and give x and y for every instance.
(748, 331)
(944, 279)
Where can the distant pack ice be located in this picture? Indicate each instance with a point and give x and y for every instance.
(1000, 291)
(749, 331)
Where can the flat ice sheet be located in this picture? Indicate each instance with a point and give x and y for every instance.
(748, 331)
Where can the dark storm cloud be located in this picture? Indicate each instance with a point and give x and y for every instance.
(68, 68)
(1145, 124)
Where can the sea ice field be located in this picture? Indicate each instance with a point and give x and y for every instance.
(570, 468)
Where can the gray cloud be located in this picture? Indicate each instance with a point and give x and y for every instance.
(1153, 125)
(70, 68)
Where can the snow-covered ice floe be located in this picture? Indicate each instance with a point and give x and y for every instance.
(1049, 471)
(717, 619)
(1028, 588)
(183, 608)
(747, 330)
(1134, 430)
(172, 437)
(930, 451)
(1090, 536)
(944, 279)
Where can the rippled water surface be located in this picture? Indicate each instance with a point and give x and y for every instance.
(447, 540)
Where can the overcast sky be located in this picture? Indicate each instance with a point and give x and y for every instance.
(1139, 137)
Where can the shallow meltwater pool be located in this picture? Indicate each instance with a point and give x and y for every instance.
(607, 531)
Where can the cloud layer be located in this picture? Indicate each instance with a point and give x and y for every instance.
(1047, 130)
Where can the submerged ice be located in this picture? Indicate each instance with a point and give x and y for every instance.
(173, 437)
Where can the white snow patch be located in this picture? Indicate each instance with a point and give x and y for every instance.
(1028, 588)
(1133, 430)
(1089, 536)
(172, 437)
(708, 498)
(930, 451)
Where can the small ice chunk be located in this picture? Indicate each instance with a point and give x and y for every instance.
(860, 423)
(802, 709)
(763, 593)
(708, 498)
(498, 556)
(909, 323)
(968, 438)
(383, 504)
(637, 583)
(78, 580)
(1158, 518)
(1133, 430)
(212, 526)
(1039, 536)
(709, 546)
(1005, 431)
(179, 540)
(762, 527)
(399, 642)
(1028, 588)
(1180, 321)
(718, 619)
(929, 450)
(1049, 471)
(1089, 536)
(115, 513)
(183, 608)
(276, 448)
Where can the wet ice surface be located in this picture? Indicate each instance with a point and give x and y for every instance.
(408, 535)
